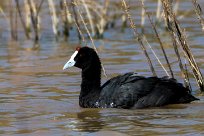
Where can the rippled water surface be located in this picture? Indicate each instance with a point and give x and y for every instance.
(38, 98)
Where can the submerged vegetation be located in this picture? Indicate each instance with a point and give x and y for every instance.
(90, 19)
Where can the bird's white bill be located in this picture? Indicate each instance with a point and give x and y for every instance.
(71, 61)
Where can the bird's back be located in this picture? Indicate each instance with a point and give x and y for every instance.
(133, 91)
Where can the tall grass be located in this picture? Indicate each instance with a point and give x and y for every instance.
(199, 13)
(55, 20)
(35, 19)
(87, 31)
(92, 18)
(66, 18)
(159, 40)
(22, 20)
(138, 36)
(179, 37)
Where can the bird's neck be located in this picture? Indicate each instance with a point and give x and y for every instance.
(90, 86)
(91, 78)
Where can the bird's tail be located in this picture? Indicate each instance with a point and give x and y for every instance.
(187, 98)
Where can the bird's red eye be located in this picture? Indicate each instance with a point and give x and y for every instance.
(78, 48)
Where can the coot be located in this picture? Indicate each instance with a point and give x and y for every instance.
(124, 91)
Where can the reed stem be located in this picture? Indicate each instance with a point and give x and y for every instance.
(198, 11)
(160, 42)
(180, 36)
(90, 37)
(55, 21)
(22, 20)
(137, 35)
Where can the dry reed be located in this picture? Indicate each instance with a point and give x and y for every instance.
(55, 20)
(34, 11)
(27, 16)
(159, 40)
(22, 20)
(93, 21)
(198, 11)
(66, 18)
(138, 36)
(13, 22)
(180, 38)
(87, 31)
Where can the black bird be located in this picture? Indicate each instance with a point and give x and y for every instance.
(124, 91)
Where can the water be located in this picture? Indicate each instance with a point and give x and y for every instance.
(38, 98)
